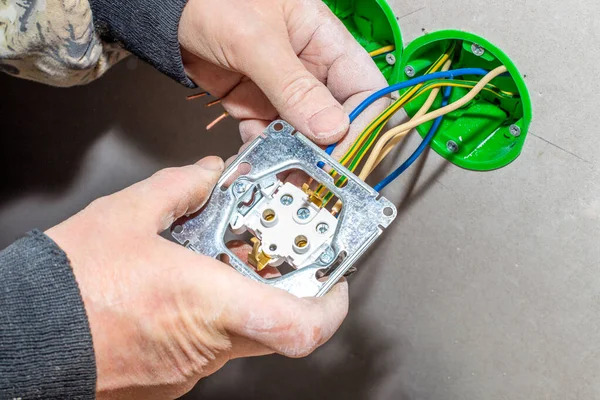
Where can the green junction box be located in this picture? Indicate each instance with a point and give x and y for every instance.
(487, 134)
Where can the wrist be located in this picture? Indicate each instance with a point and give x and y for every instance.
(146, 28)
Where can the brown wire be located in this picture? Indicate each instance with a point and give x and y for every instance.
(217, 120)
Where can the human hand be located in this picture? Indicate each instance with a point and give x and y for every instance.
(292, 58)
(163, 317)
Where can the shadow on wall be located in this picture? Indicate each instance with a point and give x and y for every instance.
(47, 131)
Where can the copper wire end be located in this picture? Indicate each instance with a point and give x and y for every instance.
(212, 103)
(217, 120)
(196, 96)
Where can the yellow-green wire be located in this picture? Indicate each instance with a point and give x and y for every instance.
(374, 128)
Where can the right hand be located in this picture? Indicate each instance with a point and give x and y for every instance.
(163, 317)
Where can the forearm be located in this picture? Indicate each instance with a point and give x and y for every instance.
(46, 347)
(53, 42)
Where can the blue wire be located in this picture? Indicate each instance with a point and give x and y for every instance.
(426, 142)
(404, 85)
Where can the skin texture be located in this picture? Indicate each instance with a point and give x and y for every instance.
(288, 58)
(163, 317)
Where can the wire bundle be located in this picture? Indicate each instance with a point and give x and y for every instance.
(371, 141)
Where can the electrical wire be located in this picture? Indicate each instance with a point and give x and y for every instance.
(213, 103)
(217, 120)
(429, 117)
(422, 111)
(489, 88)
(197, 96)
(415, 156)
(407, 84)
(434, 85)
(366, 139)
(383, 50)
(384, 117)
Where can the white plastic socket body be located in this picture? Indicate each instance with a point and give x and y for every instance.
(290, 228)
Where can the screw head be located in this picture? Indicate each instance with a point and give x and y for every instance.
(286, 200)
(239, 187)
(515, 130)
(390, 59)
(410, 71)
(322, 228)
(303, 213)
(328, 256)
(477, 50)
(452, 146)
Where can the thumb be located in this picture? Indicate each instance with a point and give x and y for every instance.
(174, 192)
(299, 97)
(276, 319)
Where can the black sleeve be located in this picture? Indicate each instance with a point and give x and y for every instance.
(147, 28)
(46, 347)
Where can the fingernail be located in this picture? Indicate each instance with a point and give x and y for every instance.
(212, 163)
(331, 123)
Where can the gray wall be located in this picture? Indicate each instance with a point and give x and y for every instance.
(487, 286)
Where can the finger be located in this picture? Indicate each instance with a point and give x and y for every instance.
(173, 193)
(212, 78)
(298, 95)
(333, 55)
(332, 50)
(287, 325)
(261, 313)
(247, 101)
(361, 122)
(250, 129)
(242, 347)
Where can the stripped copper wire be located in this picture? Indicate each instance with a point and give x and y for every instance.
(196, 96)
(212, 103)
(217, 120)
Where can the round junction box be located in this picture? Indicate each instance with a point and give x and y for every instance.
(490, 131)
(487, 134)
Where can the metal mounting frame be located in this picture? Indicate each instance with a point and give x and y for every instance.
(364, 217)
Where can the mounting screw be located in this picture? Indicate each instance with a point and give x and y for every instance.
(477, 50)
(452, 146)
(303, 213)
(286, 199)
(328, 256)
(239, 187)
(390, 59)
(410, 71)
(515, 130)
(322, 228)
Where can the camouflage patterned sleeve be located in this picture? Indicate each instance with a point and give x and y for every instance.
(53, 42)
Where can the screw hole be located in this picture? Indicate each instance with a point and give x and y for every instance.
(269, 215)
(273, 247)
(301, 241)
(278, 127)
(177, 229)
(388, 211)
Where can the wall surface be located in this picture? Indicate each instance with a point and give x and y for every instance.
(487, 286)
